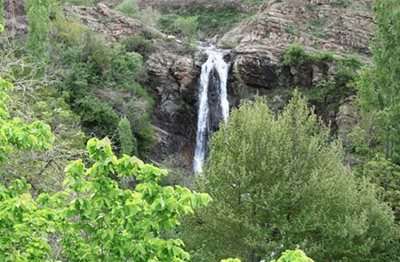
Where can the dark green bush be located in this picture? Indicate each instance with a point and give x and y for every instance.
(138, 44)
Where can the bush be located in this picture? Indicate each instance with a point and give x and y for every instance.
(129, 8)
(97, 117)
(127, 141)
(188, 26)
(139, 45)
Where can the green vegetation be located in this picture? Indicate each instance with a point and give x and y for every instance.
(128, 222)
(376, 140)
(101, 83)
(187, 26)
(15, 134)
(130, 8)
(213, 17)
(126, 139)
(278, 182)
(334, 88)
(38, 15)
(138, 44)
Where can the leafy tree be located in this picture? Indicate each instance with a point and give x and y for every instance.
(101, 222)
(38, 14)
(126, 139)
(376, 140)
(278, 182)
(33, 99)
(14, 133)
(386, 175)
(379, 95)
(24, 225)
(95, 220)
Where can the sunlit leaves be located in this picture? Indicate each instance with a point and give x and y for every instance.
(123, 224)
(14, 133)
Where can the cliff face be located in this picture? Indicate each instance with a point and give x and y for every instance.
(319, 25)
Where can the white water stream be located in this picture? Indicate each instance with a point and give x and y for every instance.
(215, 61)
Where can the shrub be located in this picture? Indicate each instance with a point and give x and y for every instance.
(127, 141)
(129, 8)
(38, 14)
(139, 45)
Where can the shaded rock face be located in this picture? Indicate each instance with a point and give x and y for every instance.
(214, 101)
(173, 82)
(255, 70)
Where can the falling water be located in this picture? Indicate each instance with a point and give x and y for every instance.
(216, 70)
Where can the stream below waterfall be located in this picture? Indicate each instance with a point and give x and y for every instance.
(213, 105)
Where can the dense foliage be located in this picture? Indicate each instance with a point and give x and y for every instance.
(101, 83)
(280, 182)
(38, 14)
(376, 140)
(128, 224)
(378, 87)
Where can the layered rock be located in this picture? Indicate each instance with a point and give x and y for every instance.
(109, 23)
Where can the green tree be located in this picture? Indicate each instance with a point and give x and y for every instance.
(38, 14)
(14, 133)
(280, 182)
(33, 98)
(126, 138)
(101, 222)
(24, 225)
(376, 139)
(379, 94)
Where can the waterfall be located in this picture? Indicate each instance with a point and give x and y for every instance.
(213, 102)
